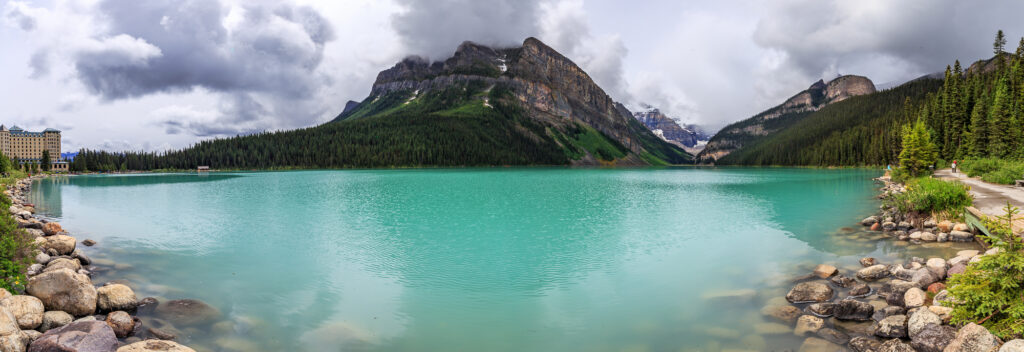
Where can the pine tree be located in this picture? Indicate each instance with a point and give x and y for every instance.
(44, 163)
(919, 152)
(999, 121)
(979, 129)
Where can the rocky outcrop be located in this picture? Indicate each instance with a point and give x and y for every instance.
(27, 309)
(815, 97)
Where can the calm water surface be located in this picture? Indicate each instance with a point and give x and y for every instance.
(474, 259)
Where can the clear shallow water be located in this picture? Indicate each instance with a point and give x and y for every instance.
(474, 259)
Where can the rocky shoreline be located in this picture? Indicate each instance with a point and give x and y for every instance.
(63, 310)
(887, 307)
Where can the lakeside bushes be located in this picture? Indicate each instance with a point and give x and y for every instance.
(990, 290)
(994, 170)
(927, 196)
(16, 248)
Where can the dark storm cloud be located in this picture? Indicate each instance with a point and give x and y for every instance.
(435, 28)
(238, 114)
(169, 45)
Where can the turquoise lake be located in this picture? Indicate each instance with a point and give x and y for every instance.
(475, 259)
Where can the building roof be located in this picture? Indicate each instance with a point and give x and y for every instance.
(51, 130)
(16, 128)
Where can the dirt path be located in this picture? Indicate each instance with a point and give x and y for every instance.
(990, 198)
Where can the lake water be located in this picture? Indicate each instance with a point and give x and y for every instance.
(475, 259)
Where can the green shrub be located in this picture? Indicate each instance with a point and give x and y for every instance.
(990, 291)
(994, 170)
(16, 249)
(927, 195)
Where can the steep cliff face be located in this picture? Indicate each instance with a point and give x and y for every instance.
(552, 91)
(688, 136)
(815, 97)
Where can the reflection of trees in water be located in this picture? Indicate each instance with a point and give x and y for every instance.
(143, 179)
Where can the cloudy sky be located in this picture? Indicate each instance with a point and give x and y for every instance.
(159, 74)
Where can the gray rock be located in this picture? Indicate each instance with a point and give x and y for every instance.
(929, 237)
(850, 309)
(930, 223)
(923, 278)
(89, 243)
(914, 297)
(55, 319)
(868, 261)
(121, 323)
(84, 336)
(806, 292)
(919, 320)
(892, 327)
(874, 272)
(64, 290)
(84, 259)
(888, 226)
(1016, 345)
(942, 237)
(863, 344)
(860, 290)
(903, 225)
(888, 311)
(42, 258)
(961, 236)
(933, 338)
(842, 281)
(27, 310)
(973, 338)
(115, 297)
(11, 338)
(937, 266)
(823, 309)
(894, 345)
(959, 268)
(868, 221)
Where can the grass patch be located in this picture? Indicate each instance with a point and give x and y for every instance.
(16, 249)
(930, 196)
(994, 170)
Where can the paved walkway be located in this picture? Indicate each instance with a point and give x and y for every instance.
(990, 198)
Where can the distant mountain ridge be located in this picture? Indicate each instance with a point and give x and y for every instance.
(815, 97)
(689, 137)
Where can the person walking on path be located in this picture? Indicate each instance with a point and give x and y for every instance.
(954, 166)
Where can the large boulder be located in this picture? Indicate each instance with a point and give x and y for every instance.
(55, 319)
(63, 244)
(155, 346)
(63, 263)
(11, 338)
(52, 228)
(27, 309)
(973, 338)
(874, 272)
(79, 336)
(892, 327)
(933, 338)
(919, 320)
(850, 309)
(191, 312)
(937, 266)
(116, 297)
(924, 277)
(804, 292)
(121, 322)
(961, 236)
(64, 290)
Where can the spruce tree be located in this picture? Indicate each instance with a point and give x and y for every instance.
(979, 129)
(44, 163)
(919, 152)
(999, 121)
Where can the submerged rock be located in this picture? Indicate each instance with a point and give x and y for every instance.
(842, 281)
(833, 335)
(888, 312)
(187, 312)
(823, 309)
(155, 346)
(824, 271)
(808, 324)
(860, 290)
(864, 344)
(868, 261)
(786, 314)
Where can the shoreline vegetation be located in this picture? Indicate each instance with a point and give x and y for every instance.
(48, 301)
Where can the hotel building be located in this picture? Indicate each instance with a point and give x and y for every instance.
(27, 147)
